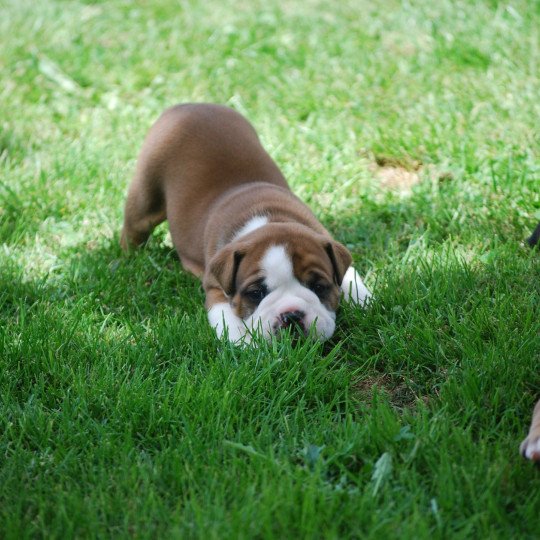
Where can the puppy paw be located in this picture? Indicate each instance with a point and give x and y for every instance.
(225, 322)
(353, 288)
(530, 448)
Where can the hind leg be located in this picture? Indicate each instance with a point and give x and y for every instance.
(145, 208)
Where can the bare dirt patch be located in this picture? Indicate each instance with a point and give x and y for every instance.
(397, 175)
(397, 178)
(402, 174)
(400, 393)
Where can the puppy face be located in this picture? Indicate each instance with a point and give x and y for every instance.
(282, 277)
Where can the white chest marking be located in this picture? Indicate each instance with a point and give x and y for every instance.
(251, 225)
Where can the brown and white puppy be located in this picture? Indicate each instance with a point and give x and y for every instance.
(530, 447)
(265, 261)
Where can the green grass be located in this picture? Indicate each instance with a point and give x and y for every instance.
(120, 413)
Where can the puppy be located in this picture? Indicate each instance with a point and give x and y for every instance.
(530, 447)
(265, 261)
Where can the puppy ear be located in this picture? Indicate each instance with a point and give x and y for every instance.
(341, 259)
(224, 267)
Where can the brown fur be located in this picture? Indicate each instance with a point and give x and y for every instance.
(202, 168)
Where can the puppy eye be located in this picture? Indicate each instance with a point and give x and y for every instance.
(320, 289)
(256, 294)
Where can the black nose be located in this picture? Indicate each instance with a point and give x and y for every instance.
(292, 318)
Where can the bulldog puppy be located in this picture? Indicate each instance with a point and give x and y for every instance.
(530, 447)
(265, 261)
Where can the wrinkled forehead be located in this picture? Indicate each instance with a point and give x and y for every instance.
(280, 264)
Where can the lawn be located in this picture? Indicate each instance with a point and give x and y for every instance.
(411, 128)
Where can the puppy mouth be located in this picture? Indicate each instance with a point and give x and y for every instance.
(291, 322)
(292, 318)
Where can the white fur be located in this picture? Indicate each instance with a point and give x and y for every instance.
(353, 288)
(251, 225)
(221, 316)
(277, 267)
(530, 448)
(293, 297)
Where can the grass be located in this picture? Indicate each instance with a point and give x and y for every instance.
(120, 413)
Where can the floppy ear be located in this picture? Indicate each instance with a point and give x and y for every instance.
(341, 259)
(224, 267)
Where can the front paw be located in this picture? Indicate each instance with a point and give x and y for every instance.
(227, 324)
(530, 448)
(237, 334)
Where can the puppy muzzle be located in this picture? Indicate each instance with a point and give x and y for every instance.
(293, 320)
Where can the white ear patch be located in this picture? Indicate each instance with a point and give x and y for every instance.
(277, 267)
(251, 225)
(353, 288)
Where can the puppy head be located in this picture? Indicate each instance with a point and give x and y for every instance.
(281, 276)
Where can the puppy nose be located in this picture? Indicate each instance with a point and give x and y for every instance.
(290, 318)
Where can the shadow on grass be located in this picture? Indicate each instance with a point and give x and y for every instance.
(435, 316)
